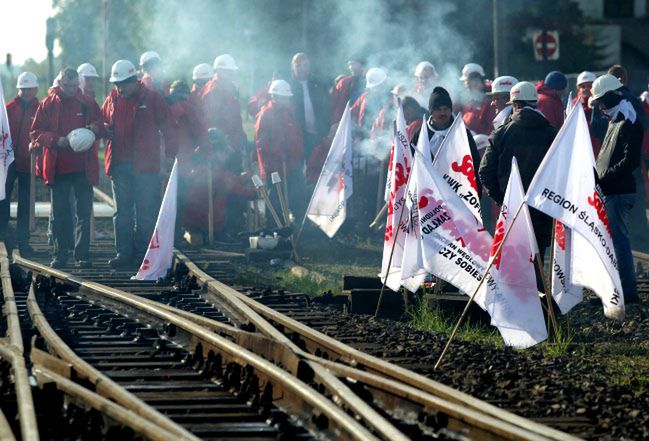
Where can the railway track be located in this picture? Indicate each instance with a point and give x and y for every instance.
(195, 358)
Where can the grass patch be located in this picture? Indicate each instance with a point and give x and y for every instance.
(425, 318)
(285, 279)
(561, 343)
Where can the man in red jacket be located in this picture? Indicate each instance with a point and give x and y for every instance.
(65, 170)
(349, 87)
(153, 73)
(220, 102)
(279, 142)
(477, 112)
(551, 91)
(135, 116)
(20, 113)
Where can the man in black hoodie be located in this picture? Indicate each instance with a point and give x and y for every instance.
(527, 136)
(616, 162)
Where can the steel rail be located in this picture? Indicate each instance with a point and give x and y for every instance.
(121, 415)
(296, 395)
(14, 353)
(337, 351)
(103, 384)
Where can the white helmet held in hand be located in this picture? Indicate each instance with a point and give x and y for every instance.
(87, 70)
(225, 61)
(81, 139)
(202, 71)
(149, 56)
(280, 88)
(375, 77)
(122, 70)
(523, 91)
(471, 68)
(603, 84)
(586, 77)
(27, 80)
(503, 84)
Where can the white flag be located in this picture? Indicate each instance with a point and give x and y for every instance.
(570, 105)
(328, 206)
(455, 246)
(564, 293)
(398, 172)
(511, 295)
(159, 254)
(454, 162)
(564, 188)
(6, 144)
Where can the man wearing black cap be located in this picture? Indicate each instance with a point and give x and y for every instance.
(616, 162)
(349, 87)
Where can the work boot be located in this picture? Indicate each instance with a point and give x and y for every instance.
(120, 261)
(59, 262)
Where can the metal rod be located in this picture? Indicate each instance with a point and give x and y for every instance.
(210, 206)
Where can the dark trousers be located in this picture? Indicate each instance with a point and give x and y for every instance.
(66, 234)
(22, 224)
(137, 201)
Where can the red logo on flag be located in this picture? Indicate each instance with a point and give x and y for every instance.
(498, 239)
(154, 243)
(560, 235)
(597, 202)
(466, 168)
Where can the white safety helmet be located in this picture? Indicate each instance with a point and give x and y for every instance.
(225, 61)
(122, 70)
(603, 84)
(27, 80)
(81, 139)
(202, 71)
(586, 77)
(523, 91)
(87, 70)
(423, 66)
(149, 56)
(471, 68)
(280, 88)
(503, 84)
(375, 77)
(481, 141)
(57, 80)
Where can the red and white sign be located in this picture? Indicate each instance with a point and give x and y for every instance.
(546, 45)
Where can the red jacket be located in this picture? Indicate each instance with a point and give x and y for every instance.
(316, 160)
(347, 89)
(186, 131)
(479, 117)
(57, 116)
(21, 115)
(257, 101)
(550, 104)
(224, 184)
(136, 123)
(221, 109)
(414, 127)
(162, 87)
(278, 138)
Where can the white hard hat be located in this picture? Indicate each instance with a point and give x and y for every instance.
(27, 80)
(87, 70)
(202, 71)
(81, 139)
(425, 65)
(471, 68)
(503, 84)
(586, 77)
(481, 141)
(280, 88)
(57, 80)
(523, 91)
(374, 77)
(225, 61)
(603, 84)
(122, 70)
(148, 56)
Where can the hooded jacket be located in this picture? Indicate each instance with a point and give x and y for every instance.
(528, 137)
(21, 115)
(550, 104)
(619, 156)
(137, 123)
(349, 88)
(56, 116)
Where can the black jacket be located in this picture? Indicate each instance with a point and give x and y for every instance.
(528, 137)
(475, 156)
(619, 156)
(319, 99)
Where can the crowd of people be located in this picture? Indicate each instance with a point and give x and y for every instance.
(147, 122)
